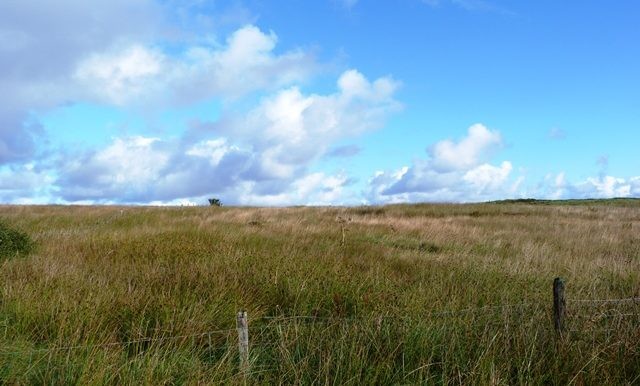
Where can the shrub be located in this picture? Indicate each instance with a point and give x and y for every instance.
(13, 242)
(215, 202)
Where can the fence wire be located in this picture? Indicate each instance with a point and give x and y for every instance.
(633, 300)
(279, 322)
(125, 343)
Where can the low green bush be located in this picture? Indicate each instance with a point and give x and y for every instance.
(13, 242)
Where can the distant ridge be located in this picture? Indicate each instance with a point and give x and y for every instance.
(616, 201)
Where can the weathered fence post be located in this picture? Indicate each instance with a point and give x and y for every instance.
(559, 305)
(343, 224)
(243, 340)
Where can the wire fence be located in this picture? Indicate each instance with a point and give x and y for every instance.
(272, 322)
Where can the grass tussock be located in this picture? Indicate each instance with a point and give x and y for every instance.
(13, 242)
(416, 294)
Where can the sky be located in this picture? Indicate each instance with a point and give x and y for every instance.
(317, 102)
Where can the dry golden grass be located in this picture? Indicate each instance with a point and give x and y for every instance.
(408, 298)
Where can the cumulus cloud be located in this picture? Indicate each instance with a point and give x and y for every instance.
(125, 169)
(256, 156)
(40, 45)
(311, 189)
(290, 129)
(97, 52)
(478, 144)
(121, 75)
(603, 186)
(246, 63)
(486, 177)
(126, 53)
(140, 170)
(116, 52)
(454, 171)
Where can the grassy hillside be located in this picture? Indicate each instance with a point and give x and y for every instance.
(433, 294)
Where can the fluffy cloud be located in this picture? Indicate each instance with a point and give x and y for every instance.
(478, 144)
(23, 183)
(454, 171)
(487, 178)
(604, 186)
(116, 52)
(40, 45)
(118, 77)
(94, 53)
(257, 157)
(246, 63)
(125, 169)
(310, 189)
(124, 53)
(289, 130)
(140, 170)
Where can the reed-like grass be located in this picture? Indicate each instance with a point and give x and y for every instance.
(417, 294)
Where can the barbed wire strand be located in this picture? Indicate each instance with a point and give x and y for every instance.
(126, 343)
(434, 313)
(599, 301)
(313, 318)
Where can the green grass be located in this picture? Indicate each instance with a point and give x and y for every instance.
(13, 243)
(407, 299)
(586, 201)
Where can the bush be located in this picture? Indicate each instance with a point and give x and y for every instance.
(215, 202)
(13, 242)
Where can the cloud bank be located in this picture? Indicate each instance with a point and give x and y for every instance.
(271, 132)
(125, 54)
(258, 157)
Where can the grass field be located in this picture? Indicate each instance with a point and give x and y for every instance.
(417, 294)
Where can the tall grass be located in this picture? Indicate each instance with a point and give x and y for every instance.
(117, 295)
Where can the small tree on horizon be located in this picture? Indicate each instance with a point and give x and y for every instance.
(215, 202)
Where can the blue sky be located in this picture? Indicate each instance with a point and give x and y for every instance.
(338, 102)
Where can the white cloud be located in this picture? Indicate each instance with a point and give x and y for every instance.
(310, 189)
(487, 177)
(109, 52)
(23, 183)
(454, 171)
(133, 161)
(479, 143)
(214, 150)
(244, 64)
(289, 130)
(603, 186)
(259, 156)
(125, 168)
(40, 46)
(95, 53)
(122, 75)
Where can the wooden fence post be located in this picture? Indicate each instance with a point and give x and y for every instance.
(243, 340)
(559, 305)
